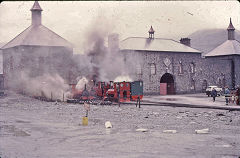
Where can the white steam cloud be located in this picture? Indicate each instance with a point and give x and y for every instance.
(51, 86)
(100, 62)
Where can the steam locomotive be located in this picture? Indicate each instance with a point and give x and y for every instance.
(108, 92)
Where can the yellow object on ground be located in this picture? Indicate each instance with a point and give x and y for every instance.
(85, 121)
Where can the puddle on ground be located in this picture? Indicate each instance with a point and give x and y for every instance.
(171, 99)
(21, 121)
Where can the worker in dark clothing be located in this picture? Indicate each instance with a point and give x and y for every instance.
(238, 95)
(118, 93)
(138, 102)
(214, 94)
(227, 95)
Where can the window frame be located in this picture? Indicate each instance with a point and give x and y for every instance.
(180, 68)
(192, 68)
(139, 69)
(153, 69)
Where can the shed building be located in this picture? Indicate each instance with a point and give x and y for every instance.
(229, 52)
(167, 66)
(36, 50)
(1, 71)
(164, 65)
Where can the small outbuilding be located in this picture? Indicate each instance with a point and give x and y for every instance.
(1, 71)
(36, 51)
(229, 51)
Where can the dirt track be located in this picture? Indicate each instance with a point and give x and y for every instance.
(32, 128)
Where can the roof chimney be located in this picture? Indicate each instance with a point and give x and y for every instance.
(185, 41)
(36, 14)
(231, 29)
(151, 33)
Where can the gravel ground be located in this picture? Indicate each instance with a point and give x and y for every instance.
(32, 128)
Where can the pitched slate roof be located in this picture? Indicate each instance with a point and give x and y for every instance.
(229, 47)
(38, 36)
(156, 44)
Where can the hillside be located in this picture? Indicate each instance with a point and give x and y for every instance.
(207, 40)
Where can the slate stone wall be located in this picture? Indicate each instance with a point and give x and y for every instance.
(237, 69)
(1, 82)
(207, 71)
(36, 60)
(222, 61)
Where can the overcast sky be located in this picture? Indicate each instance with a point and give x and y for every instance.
(71, 20)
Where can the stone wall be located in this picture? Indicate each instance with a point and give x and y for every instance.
(224, 64)
(237, 69)
(216, 72)
(1, 82)
(1, 71)
(205, 72)
(36, 60)
(166, 62)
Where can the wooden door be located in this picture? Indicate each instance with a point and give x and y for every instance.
(170, 88)
(163, 88)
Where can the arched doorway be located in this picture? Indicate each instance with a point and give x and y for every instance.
(167, 84)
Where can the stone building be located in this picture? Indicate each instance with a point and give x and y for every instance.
(228, 53)
(167, 66)
(36, 50)
(1, 71)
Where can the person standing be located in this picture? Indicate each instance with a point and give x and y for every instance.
(214, 94)
(233, 97)
(238, 95)
(138, 102)
(227, 95)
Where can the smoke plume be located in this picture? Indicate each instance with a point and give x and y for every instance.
(51, 86)
(98, 61)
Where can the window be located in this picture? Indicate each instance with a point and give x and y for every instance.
(219, 82)
(139, 69)
(121, 85)
(153, 69)
(11, 63)
(124, 58)
(204, 85)
(192, 68)
(224, 82)
(40, 61)
(180, 68)
(192, 84)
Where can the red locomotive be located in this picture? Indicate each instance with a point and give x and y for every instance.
(109, 92)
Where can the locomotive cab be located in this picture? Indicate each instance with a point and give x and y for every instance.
(136, 90)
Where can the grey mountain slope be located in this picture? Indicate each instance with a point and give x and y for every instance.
(207, 40)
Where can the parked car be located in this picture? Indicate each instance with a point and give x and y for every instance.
(210, 88)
